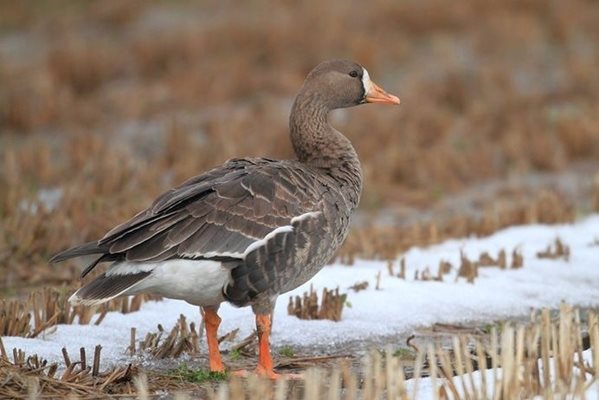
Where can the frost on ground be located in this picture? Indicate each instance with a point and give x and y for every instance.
(398, 307)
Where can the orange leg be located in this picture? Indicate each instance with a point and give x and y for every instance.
(265, 366)
(212, 321)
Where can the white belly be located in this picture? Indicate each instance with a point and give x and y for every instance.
(199, 282)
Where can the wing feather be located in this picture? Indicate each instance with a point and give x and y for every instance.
(138, 236)
(217, 214)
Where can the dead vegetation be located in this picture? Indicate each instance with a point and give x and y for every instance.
(359, 286)
(308, 307)
(486, 260)
(469, 268)
(48, 307)
(558, 250)
(182, 339)
(30, 376)
(123, 102)
(543, 358)
(516, 363)
(387, 242)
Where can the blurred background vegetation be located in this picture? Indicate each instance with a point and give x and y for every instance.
(105, 104)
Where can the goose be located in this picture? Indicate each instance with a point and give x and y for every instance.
(248, 230)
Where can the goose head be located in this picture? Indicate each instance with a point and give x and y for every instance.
(344, 83)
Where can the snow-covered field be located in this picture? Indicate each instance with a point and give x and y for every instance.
(398, 307)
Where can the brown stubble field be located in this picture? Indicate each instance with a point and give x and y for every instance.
(105, 104)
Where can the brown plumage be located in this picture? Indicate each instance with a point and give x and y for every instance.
(248, 230)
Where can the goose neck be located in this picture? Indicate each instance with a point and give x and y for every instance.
(314, 140)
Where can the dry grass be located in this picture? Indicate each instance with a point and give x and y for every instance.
(386, 242)
(542, 358)
(183, 339)
(103, 105)
(526, 355)
(468, 268)
(48, 307)
(32, 377)
(558, 250)
(308, 307)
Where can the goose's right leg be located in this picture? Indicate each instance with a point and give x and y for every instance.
(212, 321)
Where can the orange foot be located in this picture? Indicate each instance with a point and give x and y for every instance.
(274, 376)
(270, 374)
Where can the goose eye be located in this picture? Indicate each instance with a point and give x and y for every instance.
(353, 74)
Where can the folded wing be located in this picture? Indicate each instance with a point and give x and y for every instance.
(216, 215)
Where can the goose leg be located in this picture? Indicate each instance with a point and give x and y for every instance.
(265, 366)
(212, 321)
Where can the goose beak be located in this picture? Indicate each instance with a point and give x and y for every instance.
(377, 95)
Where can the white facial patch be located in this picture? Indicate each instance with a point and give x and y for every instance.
(366, 82)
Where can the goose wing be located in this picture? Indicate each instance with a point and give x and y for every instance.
(221, 215)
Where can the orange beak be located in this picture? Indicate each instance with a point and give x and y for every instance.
(378, 95)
